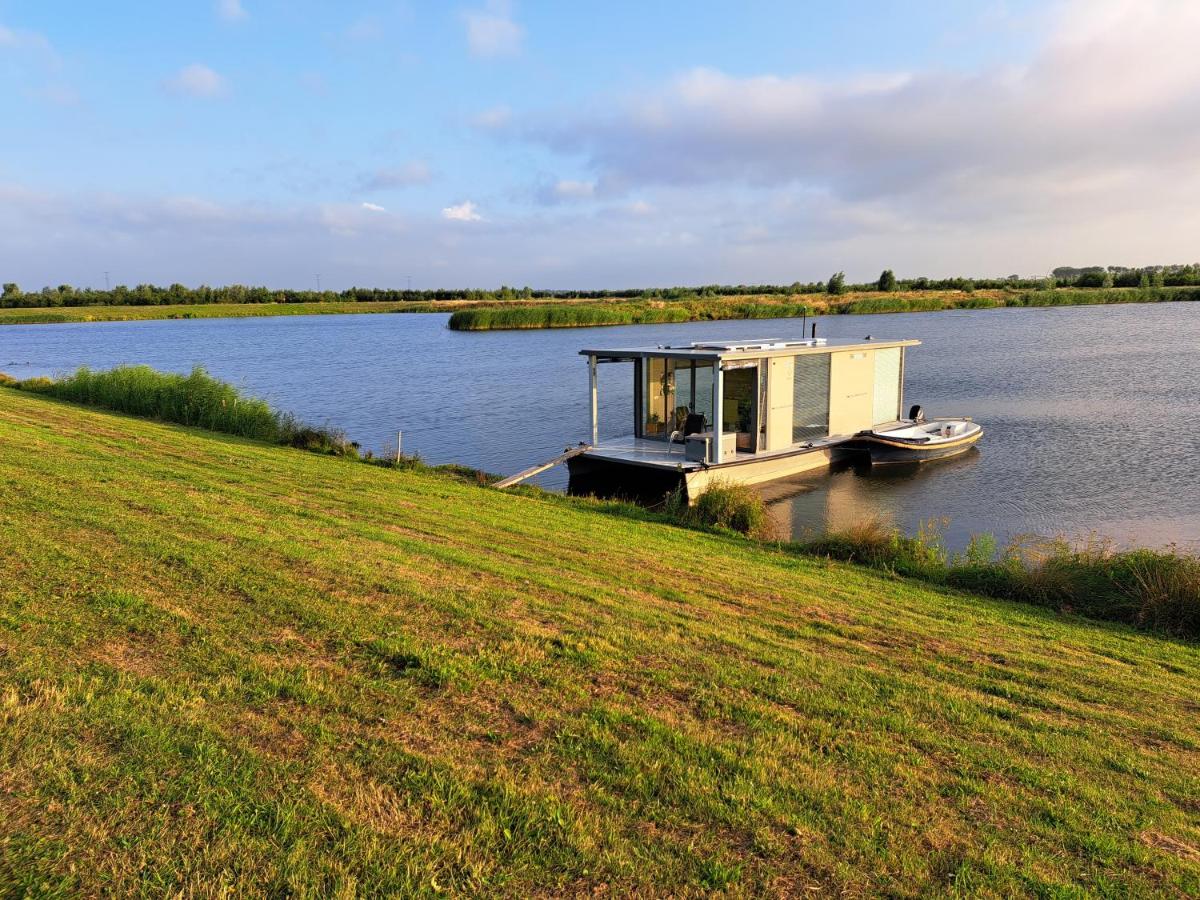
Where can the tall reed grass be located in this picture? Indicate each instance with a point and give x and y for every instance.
(577, 315)
(197, 399)
(723, 504)
(1157, 590)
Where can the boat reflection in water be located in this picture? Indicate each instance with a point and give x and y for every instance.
(853, 491)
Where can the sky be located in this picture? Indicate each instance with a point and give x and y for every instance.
(592, 144)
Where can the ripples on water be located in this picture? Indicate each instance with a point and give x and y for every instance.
(1090, 412)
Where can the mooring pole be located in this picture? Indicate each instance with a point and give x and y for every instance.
(399, 445)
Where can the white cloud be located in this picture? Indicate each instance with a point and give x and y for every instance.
(494, 118)
(197, 80)
(21, 39)
(569, 189)
(373, 207)
(408, 174)
(491, 31)
(231, 10)
(463, 212)
(1080, 124)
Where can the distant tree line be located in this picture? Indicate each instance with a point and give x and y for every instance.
(178, 294)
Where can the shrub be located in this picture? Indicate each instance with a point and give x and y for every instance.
(735, 507)
(887, 280)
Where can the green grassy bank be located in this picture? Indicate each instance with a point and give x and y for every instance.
(549, 315)
(65, 314)
(474, 315)
(229, 666)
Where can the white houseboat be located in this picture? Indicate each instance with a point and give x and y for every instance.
(755, 411)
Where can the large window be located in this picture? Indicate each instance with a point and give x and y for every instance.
(672, 389)
(810, 398)
(886, 407)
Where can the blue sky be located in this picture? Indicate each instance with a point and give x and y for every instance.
(587, 144)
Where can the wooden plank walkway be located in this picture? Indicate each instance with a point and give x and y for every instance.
(534, 470)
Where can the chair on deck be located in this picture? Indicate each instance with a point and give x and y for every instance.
(693, 423)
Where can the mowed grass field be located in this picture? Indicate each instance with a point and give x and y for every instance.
(232, 667)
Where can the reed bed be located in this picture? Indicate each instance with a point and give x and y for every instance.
(1158, 590)
(196, 399)
(497, 318)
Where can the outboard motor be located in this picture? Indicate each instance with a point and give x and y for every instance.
(917, 413)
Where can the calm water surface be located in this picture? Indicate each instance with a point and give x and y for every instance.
(1090, 412)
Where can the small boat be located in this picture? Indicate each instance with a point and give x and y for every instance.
(917, 440)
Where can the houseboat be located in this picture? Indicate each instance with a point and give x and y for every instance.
(754, 411)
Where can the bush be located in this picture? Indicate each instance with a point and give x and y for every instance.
(735, 507)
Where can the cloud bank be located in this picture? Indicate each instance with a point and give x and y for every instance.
(1106, 114)
(1083, 153)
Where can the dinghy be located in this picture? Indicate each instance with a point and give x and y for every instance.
(917, 440)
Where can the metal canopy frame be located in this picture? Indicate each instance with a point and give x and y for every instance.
(716, 354)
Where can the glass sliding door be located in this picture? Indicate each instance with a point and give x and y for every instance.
(739, 406)
(658, 396)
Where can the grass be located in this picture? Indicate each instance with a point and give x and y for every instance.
(67, 314)
(197, 399)
(480, 315)
(551, 315)
(1157, 590)
(633, 312)
(722, 505)
(228, 666)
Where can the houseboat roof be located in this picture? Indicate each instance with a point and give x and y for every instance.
(715, 350)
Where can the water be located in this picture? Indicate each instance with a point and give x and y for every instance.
(1090, 412)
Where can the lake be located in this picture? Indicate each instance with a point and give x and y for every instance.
(1088, 411)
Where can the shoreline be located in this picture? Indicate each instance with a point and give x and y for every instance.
(486, 315)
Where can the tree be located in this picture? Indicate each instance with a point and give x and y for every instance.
(887, 280)
(1144, 282)
(837, 283)
(12, 289)
(1157, 280)
(1107, 280)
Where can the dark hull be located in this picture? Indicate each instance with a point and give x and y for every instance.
(889, 452)
(604, 478)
